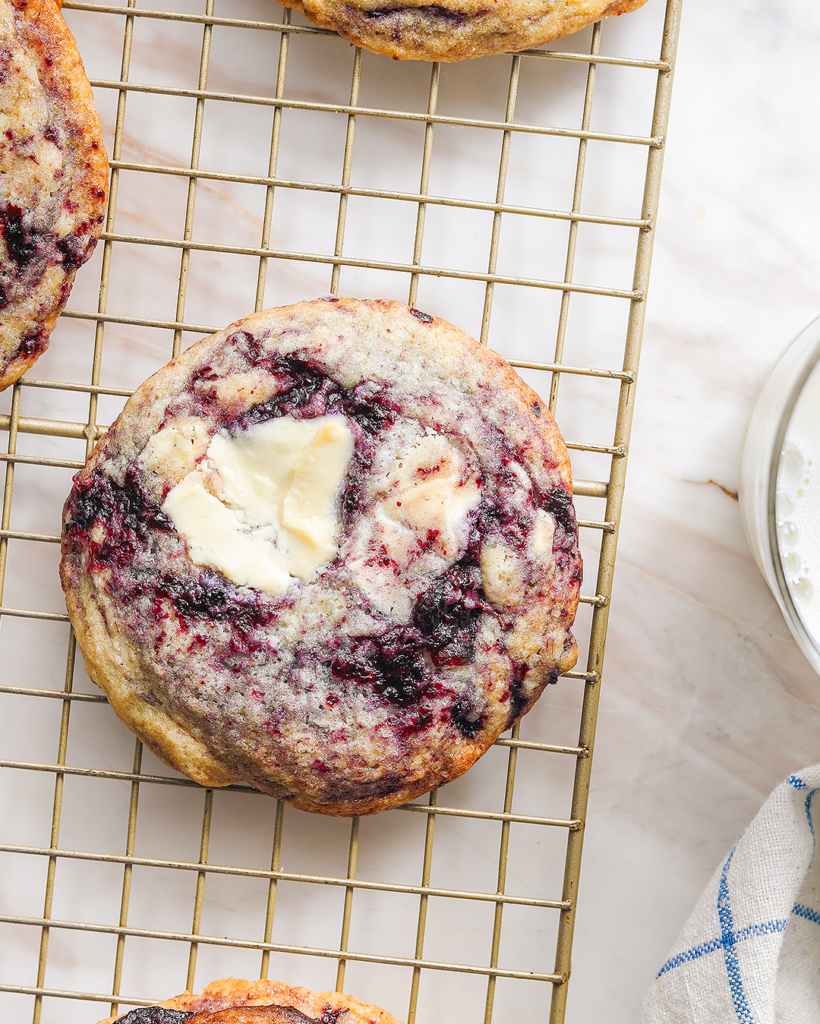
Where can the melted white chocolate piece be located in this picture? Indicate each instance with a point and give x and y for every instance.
(420, 523)
(502, 574)
(261, 507)
(172, 453)
(542, 534)
(430, 495)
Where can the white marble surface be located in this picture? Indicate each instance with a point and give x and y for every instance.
(706, 701)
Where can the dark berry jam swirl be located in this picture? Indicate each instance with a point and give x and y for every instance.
(154, 1015)
(394, 667)
(467, 718)
(392, 664)
(207, 597)
(127, 513)
(400, 664)
(129, 517)
(447, 613)
(27, 242)
(558, 502)
(307, 391)
(331, 1016)
(22, 240)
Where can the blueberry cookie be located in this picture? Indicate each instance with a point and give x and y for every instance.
(330, 552)
(456, 29)
(53, 174)
(233, 1001)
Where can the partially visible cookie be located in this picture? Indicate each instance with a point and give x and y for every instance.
(330, 552)
(53, 175)
(456, 29)
(235, 1001)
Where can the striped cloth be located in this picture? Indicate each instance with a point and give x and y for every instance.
(750, 952)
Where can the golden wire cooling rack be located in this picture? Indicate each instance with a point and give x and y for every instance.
(256, 160)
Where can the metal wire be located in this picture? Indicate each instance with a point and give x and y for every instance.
(599, 535)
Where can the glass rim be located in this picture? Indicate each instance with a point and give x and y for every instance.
(810, 646)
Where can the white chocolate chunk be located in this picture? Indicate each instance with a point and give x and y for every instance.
(311, 496)
(261, 507)
(421, 519)
(502, 574)
(542, 534)
(430, 493)
(172, 452)
(219, 537)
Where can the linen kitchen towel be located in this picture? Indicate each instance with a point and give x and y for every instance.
(750, 952)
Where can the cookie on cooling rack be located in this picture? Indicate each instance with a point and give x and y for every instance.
(53, 174)
(456, 29)
(233, 1001)
(330, 552)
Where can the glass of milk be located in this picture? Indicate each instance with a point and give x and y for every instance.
(780, 487)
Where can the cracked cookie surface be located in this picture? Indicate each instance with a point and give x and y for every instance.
(53, 177)
(330, 552)
(456, 30)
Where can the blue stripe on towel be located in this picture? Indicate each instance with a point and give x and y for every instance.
(729, 938)
(724, 909)
(809, 799)
(695, 953)
(767, 928)
(750, 932)
(807, 912)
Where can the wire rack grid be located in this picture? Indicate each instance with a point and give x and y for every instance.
(256, 160)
